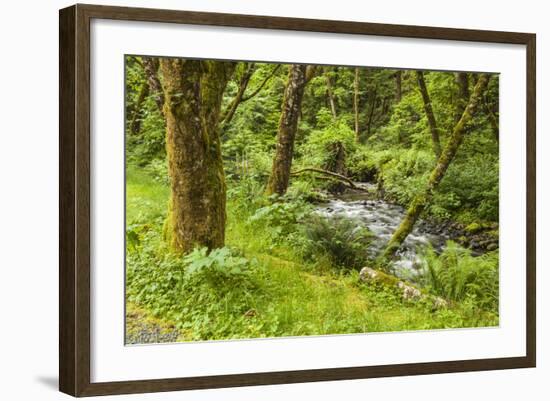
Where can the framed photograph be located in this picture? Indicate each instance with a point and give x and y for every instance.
(249, 200)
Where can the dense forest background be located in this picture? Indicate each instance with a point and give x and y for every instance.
(270, 200)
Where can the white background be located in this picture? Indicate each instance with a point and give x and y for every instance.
(28, 212)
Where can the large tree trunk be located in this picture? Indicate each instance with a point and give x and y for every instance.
(421, 200)
(288, 123)
(193, 94)
(436, 144)
(356, 103)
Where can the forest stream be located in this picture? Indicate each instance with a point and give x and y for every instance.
(382, 218)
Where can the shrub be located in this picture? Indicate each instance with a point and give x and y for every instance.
(318, 150)
(196, 290)
(280, 218)
(457, 275)
(338, 238)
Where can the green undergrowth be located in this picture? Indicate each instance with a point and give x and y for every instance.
(272, 279)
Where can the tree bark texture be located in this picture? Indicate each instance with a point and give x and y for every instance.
(193, 93)
(436, 144)
(288, 123)
(421, 200)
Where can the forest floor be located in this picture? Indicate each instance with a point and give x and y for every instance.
(291, 297)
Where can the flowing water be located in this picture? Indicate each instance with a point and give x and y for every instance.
(382, 218)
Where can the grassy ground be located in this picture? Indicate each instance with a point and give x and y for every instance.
(284, 296)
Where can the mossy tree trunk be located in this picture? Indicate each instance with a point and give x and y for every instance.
(462, 82)
(288, 123)
(421, 200)
(193, 93)
(436, 144)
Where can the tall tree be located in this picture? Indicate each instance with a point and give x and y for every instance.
(422, 199)
(135, 122)
(330, 94)
(193, 93)
(356, 103)
(288, 123)
(370, 116)
(398, 86)
(436, 144)
(228, 114)
(150, 67)
(462, 82)
(240, 97)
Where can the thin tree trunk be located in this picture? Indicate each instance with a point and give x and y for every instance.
(429, 113)
(330, 95)
(311, 71)
(151, 66)
(337, 164)
(135, 123)
(228, 114)
(372, 108)
(398, 86)
(288, 123)
(420, 201)
(462, 81)
(193, 93)
(356, 103)
(260, 87)
(493, 120)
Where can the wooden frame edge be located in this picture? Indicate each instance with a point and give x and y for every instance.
(74, 200)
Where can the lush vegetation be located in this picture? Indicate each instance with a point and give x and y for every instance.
(260, 260)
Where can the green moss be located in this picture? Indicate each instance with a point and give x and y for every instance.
(473, 228)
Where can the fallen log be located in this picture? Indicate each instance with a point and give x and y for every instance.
(330, 174)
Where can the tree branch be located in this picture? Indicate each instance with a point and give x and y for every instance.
(259, 88)
(328, 173)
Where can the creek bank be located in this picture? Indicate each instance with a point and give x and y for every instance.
(382, 217)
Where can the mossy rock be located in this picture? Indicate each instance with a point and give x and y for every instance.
(473, 228)
(408, 291)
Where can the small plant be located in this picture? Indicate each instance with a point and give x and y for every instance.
(340, 239)
(218, 262)
(281, 217)
(457, 275)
